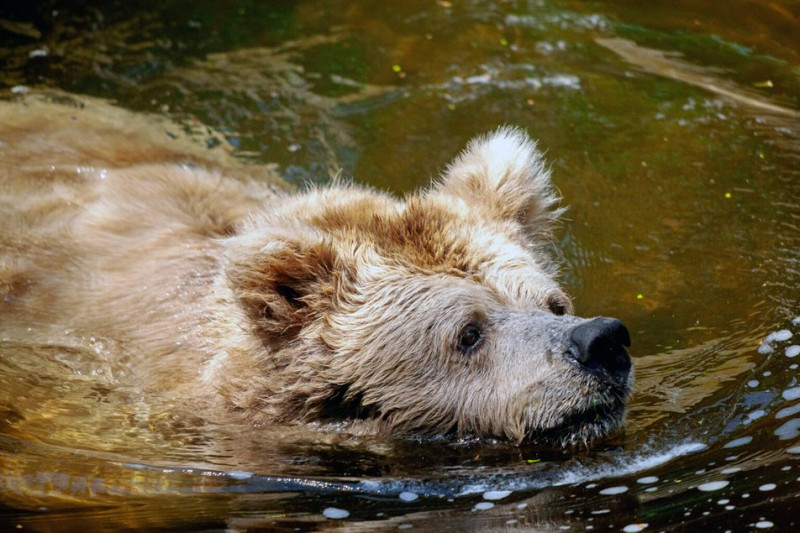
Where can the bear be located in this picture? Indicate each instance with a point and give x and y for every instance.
(437, 314)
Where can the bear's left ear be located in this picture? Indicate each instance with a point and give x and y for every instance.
(503, 176)
(284, 284)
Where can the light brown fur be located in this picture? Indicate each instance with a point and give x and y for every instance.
(340, 302)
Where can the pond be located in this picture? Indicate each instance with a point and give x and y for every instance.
(673, 132)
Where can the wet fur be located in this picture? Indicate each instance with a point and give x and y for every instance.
(339, 302)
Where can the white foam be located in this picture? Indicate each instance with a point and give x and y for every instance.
(335, 514)
(738, 442)
(754, 415)
(791, 394)
(408, 496)
(614, 490)
(578, 475)
(495, 494)
(788, 411)
(637, 464)
(713, 485)
(779, 336)
(238, 474)
(634, 528)
(789, 430)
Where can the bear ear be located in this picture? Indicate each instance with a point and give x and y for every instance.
(284, 285)
(503, 176)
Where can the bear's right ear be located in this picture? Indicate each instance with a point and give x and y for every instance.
(503, 177)
(285, 284)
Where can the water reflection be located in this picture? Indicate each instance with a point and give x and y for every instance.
(673, 135)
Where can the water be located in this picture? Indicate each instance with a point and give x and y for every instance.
(673, 133)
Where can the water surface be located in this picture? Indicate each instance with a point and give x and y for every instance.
(673, 133)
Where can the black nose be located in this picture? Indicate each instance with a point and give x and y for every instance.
(599, 345)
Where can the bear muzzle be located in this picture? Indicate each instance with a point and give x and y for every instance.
(599, 346)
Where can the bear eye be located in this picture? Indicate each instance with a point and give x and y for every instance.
(558, 304)
(469, 338)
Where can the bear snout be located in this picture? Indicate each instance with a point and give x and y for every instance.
(598, 345)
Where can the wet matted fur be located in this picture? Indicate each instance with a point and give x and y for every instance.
(438, 313)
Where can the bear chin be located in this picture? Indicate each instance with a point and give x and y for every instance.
(581, 428)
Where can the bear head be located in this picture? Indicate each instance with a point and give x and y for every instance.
(437, 314)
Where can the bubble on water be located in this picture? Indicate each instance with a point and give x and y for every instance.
(779, 336)
(633, 528)
(796, 321)
(754, 415)
(614, 490)
(495, 494)
(793, 366)
(791, 394)
(730, 470)
(752, 383)
(793, 449)
(764, 524)
(793, 350)
(408, 496)
(764, 348)
(767, 373)
(713, 485)
(788, 411)
(647, 480)
(483, 506)
(723, 502)
(789, 430)
(767, 487)
(335, 514)
(738, 442)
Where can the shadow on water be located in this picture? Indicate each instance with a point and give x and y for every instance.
(673, 136)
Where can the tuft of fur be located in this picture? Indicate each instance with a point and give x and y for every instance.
(337, 303)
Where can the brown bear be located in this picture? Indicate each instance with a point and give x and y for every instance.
(434, 314)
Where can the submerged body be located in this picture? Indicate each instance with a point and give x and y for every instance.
(434, 314)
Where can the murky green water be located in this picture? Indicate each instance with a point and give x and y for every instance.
(673, 129)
